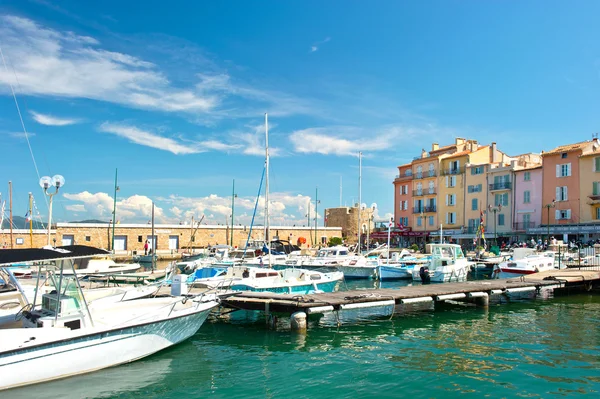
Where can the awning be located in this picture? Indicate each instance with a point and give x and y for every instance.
(407, 233)
(10, 256)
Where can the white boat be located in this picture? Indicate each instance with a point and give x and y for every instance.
(530, 264)
(103, 265)
(62, 336)
(286, 281)
(360, 267)
(448, 263)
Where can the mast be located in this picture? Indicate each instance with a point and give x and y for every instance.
(359, 199)
(153, 239)
(30, 220)
(316, 212)
(232, 209)
(112, 245)
(267, 232)
(10, 210)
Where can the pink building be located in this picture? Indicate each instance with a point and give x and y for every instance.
(527, 199)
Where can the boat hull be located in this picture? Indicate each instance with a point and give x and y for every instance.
(394, 273)
(358, 272)
(69, 354)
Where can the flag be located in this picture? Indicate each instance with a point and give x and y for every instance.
(391, 224)
(28, 216)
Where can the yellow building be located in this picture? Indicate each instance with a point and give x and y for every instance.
(476, 196)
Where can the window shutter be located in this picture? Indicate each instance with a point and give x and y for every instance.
(446, 218)
(568, 214)
(597, 164)
(453, 199)
(595, 189)
(446, 181)
(565, 193)
(479, 188)
(557, 194)
(557, 170)
(569, 169)
(446, 199)
(557, 214)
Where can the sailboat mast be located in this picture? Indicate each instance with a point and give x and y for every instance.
(153, 239)
(30, 220)
(267, 232)
(10, 208)
(359, 199)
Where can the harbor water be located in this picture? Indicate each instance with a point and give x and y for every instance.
(530, 348)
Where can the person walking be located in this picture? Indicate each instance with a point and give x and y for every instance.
(146, 248)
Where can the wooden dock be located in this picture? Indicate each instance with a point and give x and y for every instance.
(477, 292)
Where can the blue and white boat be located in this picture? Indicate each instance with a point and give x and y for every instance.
(286, 281)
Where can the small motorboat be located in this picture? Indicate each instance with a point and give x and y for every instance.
(448, 263)
(530, 264)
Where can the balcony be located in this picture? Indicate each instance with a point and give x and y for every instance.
(427, 191)
(505, 185)
(424, 209)
(424, 175)
(523, 226)
(453, 171)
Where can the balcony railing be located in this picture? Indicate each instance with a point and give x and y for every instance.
(425, 191)
(424, 209)
(523, 226)
(453, 171)
(424, 175)
(505, 185)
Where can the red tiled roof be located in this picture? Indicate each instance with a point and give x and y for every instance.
(567, 148)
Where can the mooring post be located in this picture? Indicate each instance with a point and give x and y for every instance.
(298, 321)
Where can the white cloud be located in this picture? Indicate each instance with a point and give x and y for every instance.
(316, 46)
(345, 140)
(49, 120)
(49, 62)
(21, 135)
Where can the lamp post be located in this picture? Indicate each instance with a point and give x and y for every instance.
(114, 219)
(548, 206)
(495, 209)
(46, 182)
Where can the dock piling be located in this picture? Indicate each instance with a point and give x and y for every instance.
(298, 321)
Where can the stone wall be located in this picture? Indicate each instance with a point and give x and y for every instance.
(347, 219)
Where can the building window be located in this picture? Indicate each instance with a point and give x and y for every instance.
(562, 193)
(501, 219)
(419, 221)
(431, 170)
(477, 170)
(501, 199)
(450, 199)
(454, 166)
(563, 155)
(19, 241)
(563, 214)
(526, 220)
(596, 188)
(431, 188)
(408, 172)
(419, 172)
(140, 239)
(563, 170)
(451, 218)
(527, 176)
(597, 213)
(431, 220)
(88, 238)
(474, 204)
(597, 164)
(450, 181)
(526, 197)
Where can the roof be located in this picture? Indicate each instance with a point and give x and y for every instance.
(567, 148)
(406, 164)
(458, 154)
(529, 168)
(10, 256)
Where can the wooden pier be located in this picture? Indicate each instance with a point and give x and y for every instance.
(477, 292)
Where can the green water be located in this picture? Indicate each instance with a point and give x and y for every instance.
(540, 348)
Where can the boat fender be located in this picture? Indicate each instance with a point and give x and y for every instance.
(301, 276)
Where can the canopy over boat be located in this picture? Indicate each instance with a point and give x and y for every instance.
(10, 256)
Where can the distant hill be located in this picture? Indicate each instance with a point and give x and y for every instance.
(92, 221)
(19, 222)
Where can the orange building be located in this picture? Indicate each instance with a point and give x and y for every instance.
(403, 195)
(561, 191)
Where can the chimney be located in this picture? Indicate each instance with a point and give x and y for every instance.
(494, 153)
(435, 147)
(423, 153)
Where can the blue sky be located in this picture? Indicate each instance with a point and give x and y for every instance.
(173, 94)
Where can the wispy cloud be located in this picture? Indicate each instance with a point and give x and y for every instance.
(20, 135)
(49, 62)
(49, 120)
(317, 45)
(349, 140)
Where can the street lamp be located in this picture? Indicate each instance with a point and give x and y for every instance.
(46, 182)
(495, 209)
(548, 206)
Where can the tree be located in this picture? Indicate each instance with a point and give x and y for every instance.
(333, 241)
